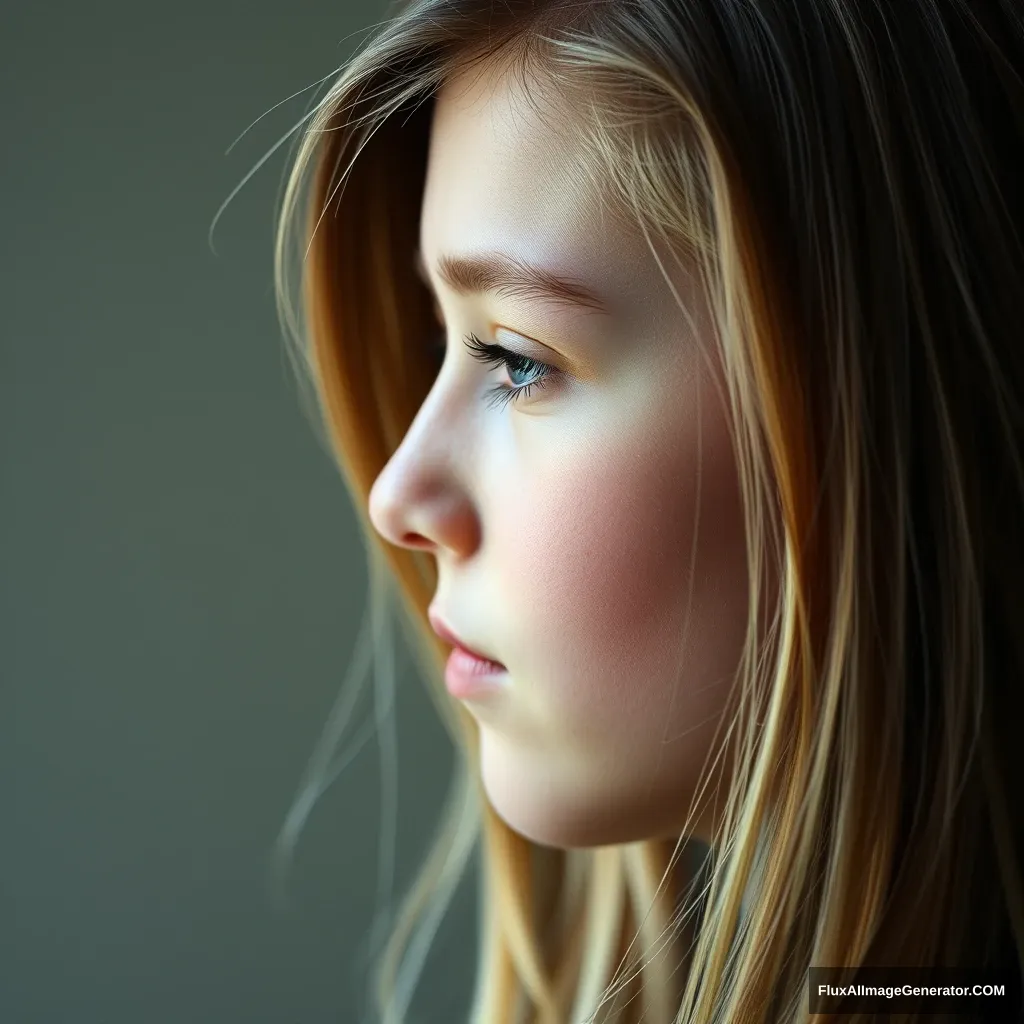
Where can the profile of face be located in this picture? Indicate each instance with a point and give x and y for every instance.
(588, 534)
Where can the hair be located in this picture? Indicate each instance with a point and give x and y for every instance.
(846, 175)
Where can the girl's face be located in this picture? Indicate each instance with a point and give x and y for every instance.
(565, 523)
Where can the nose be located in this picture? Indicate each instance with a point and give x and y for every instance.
(419, 502)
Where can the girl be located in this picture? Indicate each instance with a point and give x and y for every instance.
(671, 352)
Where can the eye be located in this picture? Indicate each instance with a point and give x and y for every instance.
(498, 355)
(540, 374)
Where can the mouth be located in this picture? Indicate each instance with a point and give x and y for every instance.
(451, 637)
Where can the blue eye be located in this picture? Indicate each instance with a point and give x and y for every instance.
(498, 355)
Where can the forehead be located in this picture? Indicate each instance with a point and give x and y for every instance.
(496, 161)
(505, 176)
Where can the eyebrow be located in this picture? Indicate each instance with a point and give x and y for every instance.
(507, 276)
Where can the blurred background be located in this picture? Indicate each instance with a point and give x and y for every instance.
(181, 576)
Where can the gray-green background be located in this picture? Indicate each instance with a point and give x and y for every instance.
(181, 574)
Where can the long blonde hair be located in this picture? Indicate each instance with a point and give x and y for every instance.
(846, 175)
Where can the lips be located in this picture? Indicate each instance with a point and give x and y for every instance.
(441, 629)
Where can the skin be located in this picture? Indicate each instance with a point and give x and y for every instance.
(564, 524)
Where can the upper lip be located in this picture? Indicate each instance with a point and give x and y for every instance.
(441, 629)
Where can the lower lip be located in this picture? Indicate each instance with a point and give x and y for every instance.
(467, 676)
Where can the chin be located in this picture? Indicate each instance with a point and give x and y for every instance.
(548, 810)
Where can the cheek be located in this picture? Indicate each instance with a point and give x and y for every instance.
(596, 556)
(604, 563)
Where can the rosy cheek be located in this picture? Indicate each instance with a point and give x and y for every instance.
(597, 553)
(594, 542)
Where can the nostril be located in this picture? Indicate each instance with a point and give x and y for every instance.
(415, 540)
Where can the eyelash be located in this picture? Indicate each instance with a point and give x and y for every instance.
(498, 355)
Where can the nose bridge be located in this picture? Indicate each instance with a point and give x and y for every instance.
(430, 445)
(418, 499)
